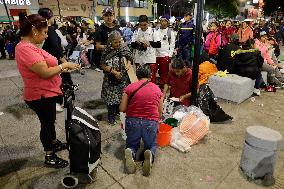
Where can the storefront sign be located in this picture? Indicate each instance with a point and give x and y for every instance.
(16, 2)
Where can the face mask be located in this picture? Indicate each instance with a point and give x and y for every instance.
(41, 44)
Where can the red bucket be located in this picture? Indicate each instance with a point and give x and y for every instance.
(164, 135)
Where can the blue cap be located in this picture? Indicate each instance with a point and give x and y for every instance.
(165, 17)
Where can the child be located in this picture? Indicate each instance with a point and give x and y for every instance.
(115, 74)
(213, 41)
(179, 82)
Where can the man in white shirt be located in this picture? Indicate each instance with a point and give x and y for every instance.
(166, 51)
(145, 41)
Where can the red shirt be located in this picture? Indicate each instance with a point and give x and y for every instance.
(145, 102)
(180, 85)
(35, 87)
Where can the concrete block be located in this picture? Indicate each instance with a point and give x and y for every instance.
(232, 87)
(260, 151)
(264, 77)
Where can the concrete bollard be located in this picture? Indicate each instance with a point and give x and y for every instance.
(260, 152)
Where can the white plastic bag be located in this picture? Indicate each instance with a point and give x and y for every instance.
(122, 125)
(168, 108)
(178, 142)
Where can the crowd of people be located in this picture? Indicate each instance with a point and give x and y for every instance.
(42, 48)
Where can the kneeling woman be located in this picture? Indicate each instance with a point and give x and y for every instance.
(143, 103)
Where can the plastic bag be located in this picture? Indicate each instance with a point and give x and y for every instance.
(168, 108)
(194, 126)
(122, 125)
(178, 142)
(180, 112)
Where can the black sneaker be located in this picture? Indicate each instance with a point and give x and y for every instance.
(59, 146)
(52, 160)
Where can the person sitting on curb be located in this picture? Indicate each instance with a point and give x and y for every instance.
(142, 102)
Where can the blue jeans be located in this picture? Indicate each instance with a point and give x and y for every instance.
(258, 81)
(185, 53)
(136, 129)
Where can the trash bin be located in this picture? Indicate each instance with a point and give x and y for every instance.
(260, 152)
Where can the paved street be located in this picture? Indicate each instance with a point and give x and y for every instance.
(211, 164)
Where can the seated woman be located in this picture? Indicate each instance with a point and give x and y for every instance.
(143, 103)
(274, 75)
(115, 74)
(179, 82)
(248, 63)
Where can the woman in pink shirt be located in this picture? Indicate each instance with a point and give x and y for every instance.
(40, 73)
(143, 103)
(245, 32)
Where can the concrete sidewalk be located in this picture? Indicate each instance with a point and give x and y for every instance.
(211, 164)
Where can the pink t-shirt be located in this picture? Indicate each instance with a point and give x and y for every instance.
(35, 87)
(145, 102)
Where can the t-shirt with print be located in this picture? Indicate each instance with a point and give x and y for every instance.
(180, 85)
(35, 87)
(145, 102)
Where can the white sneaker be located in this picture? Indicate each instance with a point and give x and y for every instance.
(256, 92)
(147, 164)
(129, 162)
(98, 70)
(59, 108)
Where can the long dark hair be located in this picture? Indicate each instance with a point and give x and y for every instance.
(28, 22)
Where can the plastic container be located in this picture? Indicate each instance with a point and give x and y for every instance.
(172, 122)
(164, 135)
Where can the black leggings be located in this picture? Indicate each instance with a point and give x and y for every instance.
(45, 108)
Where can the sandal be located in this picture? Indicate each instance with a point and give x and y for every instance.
(59, 146)
(52, 160)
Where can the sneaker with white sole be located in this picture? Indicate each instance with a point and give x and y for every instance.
(256, 92)
(129, 161)
(59, 108)
(147, 164)
(98, 70)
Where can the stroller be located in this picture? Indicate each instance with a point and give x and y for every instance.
(84, 141)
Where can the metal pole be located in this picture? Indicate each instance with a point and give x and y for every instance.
(7, 12)
(197, 46)
(59, 10)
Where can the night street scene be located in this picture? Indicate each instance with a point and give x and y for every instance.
(141, 94)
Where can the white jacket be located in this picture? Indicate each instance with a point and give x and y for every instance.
(148, 56)
(167, 46)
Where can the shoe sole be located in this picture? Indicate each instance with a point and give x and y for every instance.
(147, 163)
(129, 162)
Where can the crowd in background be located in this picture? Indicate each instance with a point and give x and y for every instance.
(166, 49)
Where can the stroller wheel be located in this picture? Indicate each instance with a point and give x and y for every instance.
(69, 181)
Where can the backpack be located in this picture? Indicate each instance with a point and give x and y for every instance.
(212, 49)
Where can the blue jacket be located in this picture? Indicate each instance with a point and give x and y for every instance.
(185, 36)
